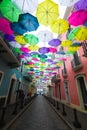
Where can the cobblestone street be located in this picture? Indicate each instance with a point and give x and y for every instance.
(39, 116)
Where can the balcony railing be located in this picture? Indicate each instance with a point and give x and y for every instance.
(76, 64)
(55, 78)
(64, 72)
(84, 46)
(7, 55)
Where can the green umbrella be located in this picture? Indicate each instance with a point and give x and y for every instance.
(17, 50)
(9, 10)
(73, 33)
(31, 39)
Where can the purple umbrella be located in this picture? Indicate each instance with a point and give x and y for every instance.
(26, 54)
(82, 4)
(49, 60)
(9, 37)
(54, 42)
(43, 50)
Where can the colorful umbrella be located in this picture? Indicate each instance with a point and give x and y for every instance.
(79, 33)
(43, 50)
(31, 39)
(73, 49)
(81, 4)
(28, 21)
(52, 50)
(15, 44)
(33, 48)
(26, 54)
(67, 2)
(47, 11)
(9, 37)
(76, 44)
(59, 26)
(78, 18)
(5, 26)
(24, 49)
(54, 42)
(45, 36)
(66, 43)
(9, 10)
(17, 28)
(20, 39)
(26, 5)
(17, 50)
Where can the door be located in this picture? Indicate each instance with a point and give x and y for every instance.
(82, 87)
(59, 91)
(10, 90)
(66, 92)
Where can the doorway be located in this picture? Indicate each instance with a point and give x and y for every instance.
(10, 91)
(82, 91)
(67, 91)
(59, 91)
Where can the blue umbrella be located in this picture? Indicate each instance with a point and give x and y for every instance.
(17, 28)
(28, 21)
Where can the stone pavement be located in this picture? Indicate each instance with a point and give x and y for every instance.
(39, 116)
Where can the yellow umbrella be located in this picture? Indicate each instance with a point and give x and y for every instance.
(59, 26)
(81, 34)
(73, 49)
(20, 39)
(47, 11)
(33, 48)
(66, 43)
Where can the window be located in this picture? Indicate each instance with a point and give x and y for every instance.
(1, 76)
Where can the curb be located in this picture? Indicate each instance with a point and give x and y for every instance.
(16, 117)
(58, 114)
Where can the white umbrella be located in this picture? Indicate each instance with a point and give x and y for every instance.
(14, 44)
(45, 36)
(27, 6)
(67, 2)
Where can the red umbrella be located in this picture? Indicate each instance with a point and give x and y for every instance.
(5, 26)
(78, 18)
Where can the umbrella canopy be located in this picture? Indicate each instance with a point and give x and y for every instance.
(67, 2)
(26, 5)
(28, 21)
(17, 28)
(78, 18)
(31, 39)
(52, 50)
(33, 48)
(24, 49)
(66, 43)
(9, 37)
(76, 44)
(15, 44)
(20, 39)
(79, 33)
(54, 42)
(59, 26)
(43, 50)
(45, 36)
(81, 4)
(5, 26)
(47, 11)
(9, 10)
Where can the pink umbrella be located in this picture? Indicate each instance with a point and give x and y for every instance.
(24, 49)
(5, 26)
(53, 50)
(78, 18)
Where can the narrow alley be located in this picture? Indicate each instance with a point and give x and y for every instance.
(39, 116)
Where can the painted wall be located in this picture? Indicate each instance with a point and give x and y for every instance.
(8, 72)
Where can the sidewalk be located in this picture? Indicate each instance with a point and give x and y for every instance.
(11, 118)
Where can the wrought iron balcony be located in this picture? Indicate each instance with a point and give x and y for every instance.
(84, 46)
(8, 56)
(64, 73)
(55, 78)
(76, 64)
